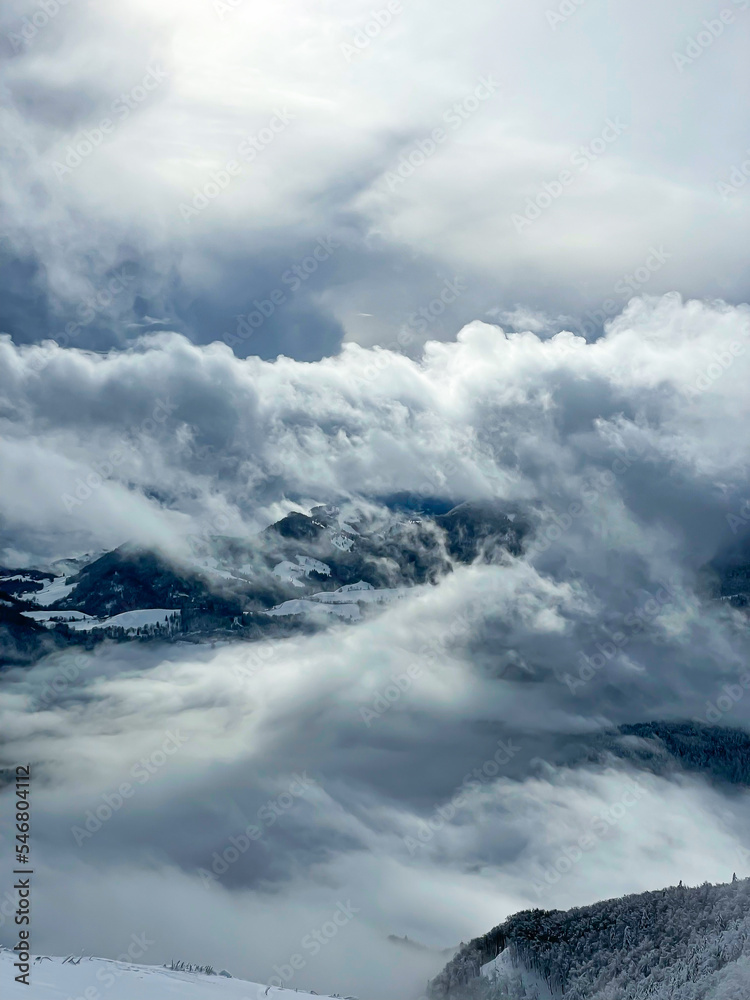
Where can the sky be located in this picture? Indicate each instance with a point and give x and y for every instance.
(261, 257)
(119, 118)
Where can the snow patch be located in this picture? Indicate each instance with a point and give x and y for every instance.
(362, 593)
(288, 572)
(291, 572)
(58, 616)
(313, 565)
(210, 565)
(502, 968)
(53, 591)
(301, 607)
(341, 541)
(343, 602)
(129, 620)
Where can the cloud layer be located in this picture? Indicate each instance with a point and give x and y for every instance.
(191, 157)
(167, 437)
(430, 740)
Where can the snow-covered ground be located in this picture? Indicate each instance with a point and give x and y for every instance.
(53, 590)
(53, 617)
(127, 619)
(341, 540)
(360, 592)
(343, 602)
(57, 979)
(502, 967)
(302, 607)
(210, 565)
(291, 572)
(81, 622)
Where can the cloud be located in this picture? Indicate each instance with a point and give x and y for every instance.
(315, 137)
(243, 271)
(155, 762)
(164, 437)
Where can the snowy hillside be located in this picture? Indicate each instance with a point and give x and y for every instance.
(300, 573)
(342, 602)
(678, 943)
(57, 978)
(130, 621)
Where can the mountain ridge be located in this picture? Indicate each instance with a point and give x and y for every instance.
(243, 587)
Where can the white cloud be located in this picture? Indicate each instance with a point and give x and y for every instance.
(324, 171)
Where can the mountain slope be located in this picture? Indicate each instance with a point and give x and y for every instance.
(673, 944)
(669, 747)
(293, 575)
(127, 579)
(55, 978)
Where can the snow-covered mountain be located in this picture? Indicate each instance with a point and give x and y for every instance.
(56, 978)
(300, 573)
(677, 943)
